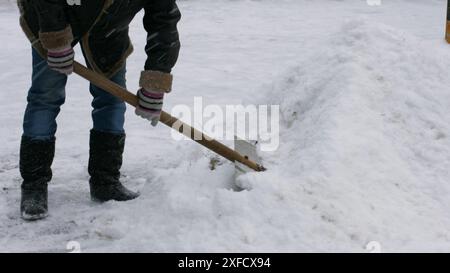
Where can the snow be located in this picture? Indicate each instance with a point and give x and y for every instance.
(365, 137)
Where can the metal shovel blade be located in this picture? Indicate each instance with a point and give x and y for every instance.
(248, 150)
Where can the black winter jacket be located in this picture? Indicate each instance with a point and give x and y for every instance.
(102, 28)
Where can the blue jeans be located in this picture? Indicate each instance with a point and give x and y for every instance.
(47, 94)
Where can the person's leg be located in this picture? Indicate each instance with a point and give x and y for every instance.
(46, 95)
(108, 114)
(107, 142)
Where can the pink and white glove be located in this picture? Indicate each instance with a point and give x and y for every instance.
(60, 54)
(61, 60)
(150, 105)
(151, 94)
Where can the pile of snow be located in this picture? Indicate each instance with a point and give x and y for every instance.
(365, 153)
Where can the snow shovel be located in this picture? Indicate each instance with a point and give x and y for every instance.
(245, 161)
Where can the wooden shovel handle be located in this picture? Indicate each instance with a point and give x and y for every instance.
(199, 137)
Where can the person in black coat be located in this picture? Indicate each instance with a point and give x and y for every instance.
(101, 27)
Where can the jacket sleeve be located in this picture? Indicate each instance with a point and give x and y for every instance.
(163, 44)
(54, 30)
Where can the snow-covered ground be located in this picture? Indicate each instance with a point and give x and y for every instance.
(365, 135)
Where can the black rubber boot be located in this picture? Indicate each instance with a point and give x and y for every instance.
(105, 161)
(36, 157)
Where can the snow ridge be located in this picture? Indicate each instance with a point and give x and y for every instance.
(365, 141)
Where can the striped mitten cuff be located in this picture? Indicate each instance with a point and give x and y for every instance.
(61, 60)
(150, 105)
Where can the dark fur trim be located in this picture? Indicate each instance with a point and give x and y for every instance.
(56, 39)
(156, 80)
